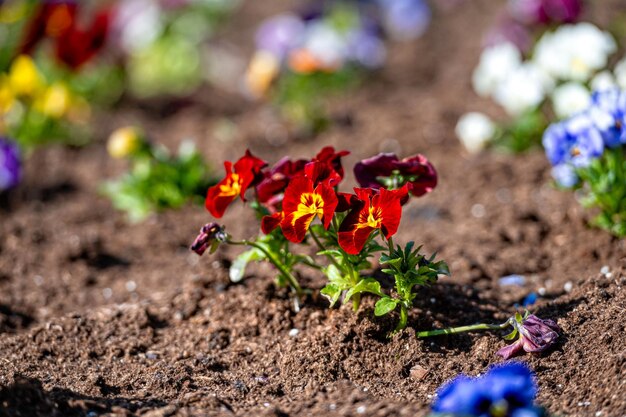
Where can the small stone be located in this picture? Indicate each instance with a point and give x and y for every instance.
(151, 355)
(293, 332)
(107, 293)
(418, 373)
(478, 211)
(541, 291)
(332, 407)
(361, 409)
(432, 301)
(568, 286)
(604, 270)
(131, 286)
(515, 279)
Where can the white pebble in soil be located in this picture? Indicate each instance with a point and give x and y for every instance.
(293, 332)
(568, 286)
(131, 286)
(541, 291)
(361, 409)
(478, 211)
(107, 293)
(605, 270)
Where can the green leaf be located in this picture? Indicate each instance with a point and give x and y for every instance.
(385, 305)
(511, 336)
(238, 268)
(332, 292)
(365, 285)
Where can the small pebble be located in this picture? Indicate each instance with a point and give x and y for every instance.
(38, 280)
(266, 405)
(541, 291)
(332, 407)
(568, 286)
(293, 332)
(513, 279)
(432, 301)
(131, 286)
(151, 355)
(604, 270)
(361, 409)
(478, 211)
(598, 413)
(418, 373)
(107, 293)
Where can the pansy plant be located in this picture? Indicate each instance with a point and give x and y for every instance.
(298, 202)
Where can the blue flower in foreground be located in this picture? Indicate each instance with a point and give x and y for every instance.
(10, 166)
(608, 113)
(507, 390)
(575, 140)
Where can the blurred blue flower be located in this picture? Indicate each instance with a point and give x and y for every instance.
(575, 140)
(507, 390)
(565, 175)
(608, 113)
(280, 34)
(367, 48)
(405, 19)
(10, 165)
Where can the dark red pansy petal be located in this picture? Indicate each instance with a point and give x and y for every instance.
(368, 170)
(329, 156)
(294, 191)
(295, 227)
(249, 167)
(330, 202)
(269, 223)
(346, 201)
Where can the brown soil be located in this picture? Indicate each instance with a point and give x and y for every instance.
(99, 317)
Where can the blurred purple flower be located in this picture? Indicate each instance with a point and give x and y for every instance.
(565, 175)
(367, 48)
(385, 168)
(405, 19)
(576, 140)
(10, 165)
(535, 336)
(545, 11)
(508, 30)
(280, 34)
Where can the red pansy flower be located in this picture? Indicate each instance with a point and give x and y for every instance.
(277, 179)
(373, 209)
(303, 202)
(385, 168)
(330, 157)
(73, 45)
(246, 171)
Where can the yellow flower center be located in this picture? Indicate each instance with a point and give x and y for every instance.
(373, 218)
(232, 186)
(311, 203)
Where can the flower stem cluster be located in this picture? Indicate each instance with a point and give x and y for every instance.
(157, 180)
(298, 202)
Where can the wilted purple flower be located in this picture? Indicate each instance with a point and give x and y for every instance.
(545, 11)
(280, 34)
(576, 140)
(10, 165)
(211, 235)
(385, 169)
(405, 19)
(535, 336)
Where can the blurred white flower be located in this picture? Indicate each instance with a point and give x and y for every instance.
(137, 23)
(574, 52)
(326, 44)
(475, 130)
(496, 64)
(523, 90)
(602, 81)
(569, 99)
(620, 73)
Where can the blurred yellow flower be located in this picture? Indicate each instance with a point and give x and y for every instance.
(7, 98)
(124, 142)
(24, 78)
(262, 71)
(54, 101)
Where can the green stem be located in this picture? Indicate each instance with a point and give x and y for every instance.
(462, 329)
(321, 246)
(390, 244)
(279, 265)
(404, 317)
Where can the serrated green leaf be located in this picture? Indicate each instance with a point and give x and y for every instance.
(332, 292)
(385, 305)
(365, 285)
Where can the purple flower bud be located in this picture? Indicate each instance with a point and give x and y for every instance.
(535, 336)
(211, 235)
(10, 165)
